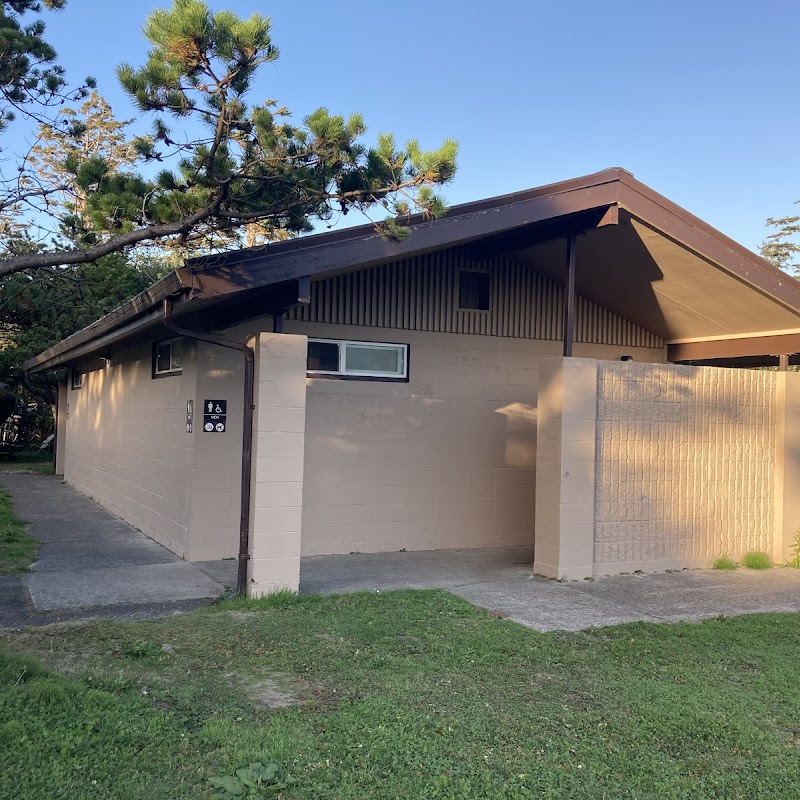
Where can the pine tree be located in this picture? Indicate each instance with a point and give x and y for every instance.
(30, 80)
(252, 165)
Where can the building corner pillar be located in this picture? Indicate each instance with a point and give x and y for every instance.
(565, 468)
(276, 499)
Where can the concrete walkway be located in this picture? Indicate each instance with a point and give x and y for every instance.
(90, 558)
(501, 580)
(93, 564)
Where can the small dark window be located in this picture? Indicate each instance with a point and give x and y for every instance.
(77, 378)
(474, 290)
(168, 358)
(323, 356)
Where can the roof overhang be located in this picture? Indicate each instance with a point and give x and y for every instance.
(639, 255)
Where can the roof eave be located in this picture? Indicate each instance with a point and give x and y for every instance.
(120, 323)
(691, 232)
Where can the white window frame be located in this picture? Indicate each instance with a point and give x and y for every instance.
(342, 372)
(157, 373)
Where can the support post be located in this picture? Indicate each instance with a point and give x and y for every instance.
(783, 363)
(569, 298)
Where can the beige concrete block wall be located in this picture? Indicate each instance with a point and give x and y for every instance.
(787, 464)
(446, 460)
(276, 502)
(127, 446)
(565, 468)
(685, 465)
(215, 481)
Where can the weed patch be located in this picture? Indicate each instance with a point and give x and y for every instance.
(725, 563)
(756, 560)
(794, 549)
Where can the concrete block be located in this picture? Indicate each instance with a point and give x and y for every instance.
(282, 395)
(280, 444)
(273, 574)
(578, 451)
(290, 420)
(578, 408)
(270, 546)
(578, 472)
(573, 535)
(577, 493)
(280, 469)
(273, 493)
(576, 514)
(283, 345)
(579, 430)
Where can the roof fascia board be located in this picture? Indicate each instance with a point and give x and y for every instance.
(118, 324)
(374, 249)
(148, 320)
(785, 344)
(368, 231)
(731, 336)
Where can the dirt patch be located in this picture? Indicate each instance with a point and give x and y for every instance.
(281, 691)
(268, 694)
(243, 615)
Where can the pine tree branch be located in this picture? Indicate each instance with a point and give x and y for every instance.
(116, 243)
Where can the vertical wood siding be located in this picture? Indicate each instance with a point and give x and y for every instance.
(422, 294)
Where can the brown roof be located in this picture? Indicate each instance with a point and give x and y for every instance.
(514, 221)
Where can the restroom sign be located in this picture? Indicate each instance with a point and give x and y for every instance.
(215, 416)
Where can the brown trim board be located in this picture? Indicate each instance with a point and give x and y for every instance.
(774, 345)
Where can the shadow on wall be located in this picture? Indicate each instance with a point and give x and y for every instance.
(613, 269)
(684, 463)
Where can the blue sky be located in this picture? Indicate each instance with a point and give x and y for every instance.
(698, 99)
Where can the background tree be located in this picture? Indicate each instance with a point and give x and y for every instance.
(86, 133)
(39, 309)
(782, 246)
(232, 164)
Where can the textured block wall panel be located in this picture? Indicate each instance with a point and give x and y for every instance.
(685, 462)
(422, 294)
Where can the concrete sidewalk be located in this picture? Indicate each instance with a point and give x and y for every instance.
(90, 558)
(93, 564)
(500, 579)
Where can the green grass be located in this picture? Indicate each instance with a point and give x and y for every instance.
(723, 562)
(400, 695)
(756, 560)
(17, 545)
(28, 461)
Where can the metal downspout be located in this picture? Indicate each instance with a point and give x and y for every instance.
(247, 432)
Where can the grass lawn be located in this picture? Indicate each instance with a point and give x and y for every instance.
(17, 546)
(412, 694)
(28, 461)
